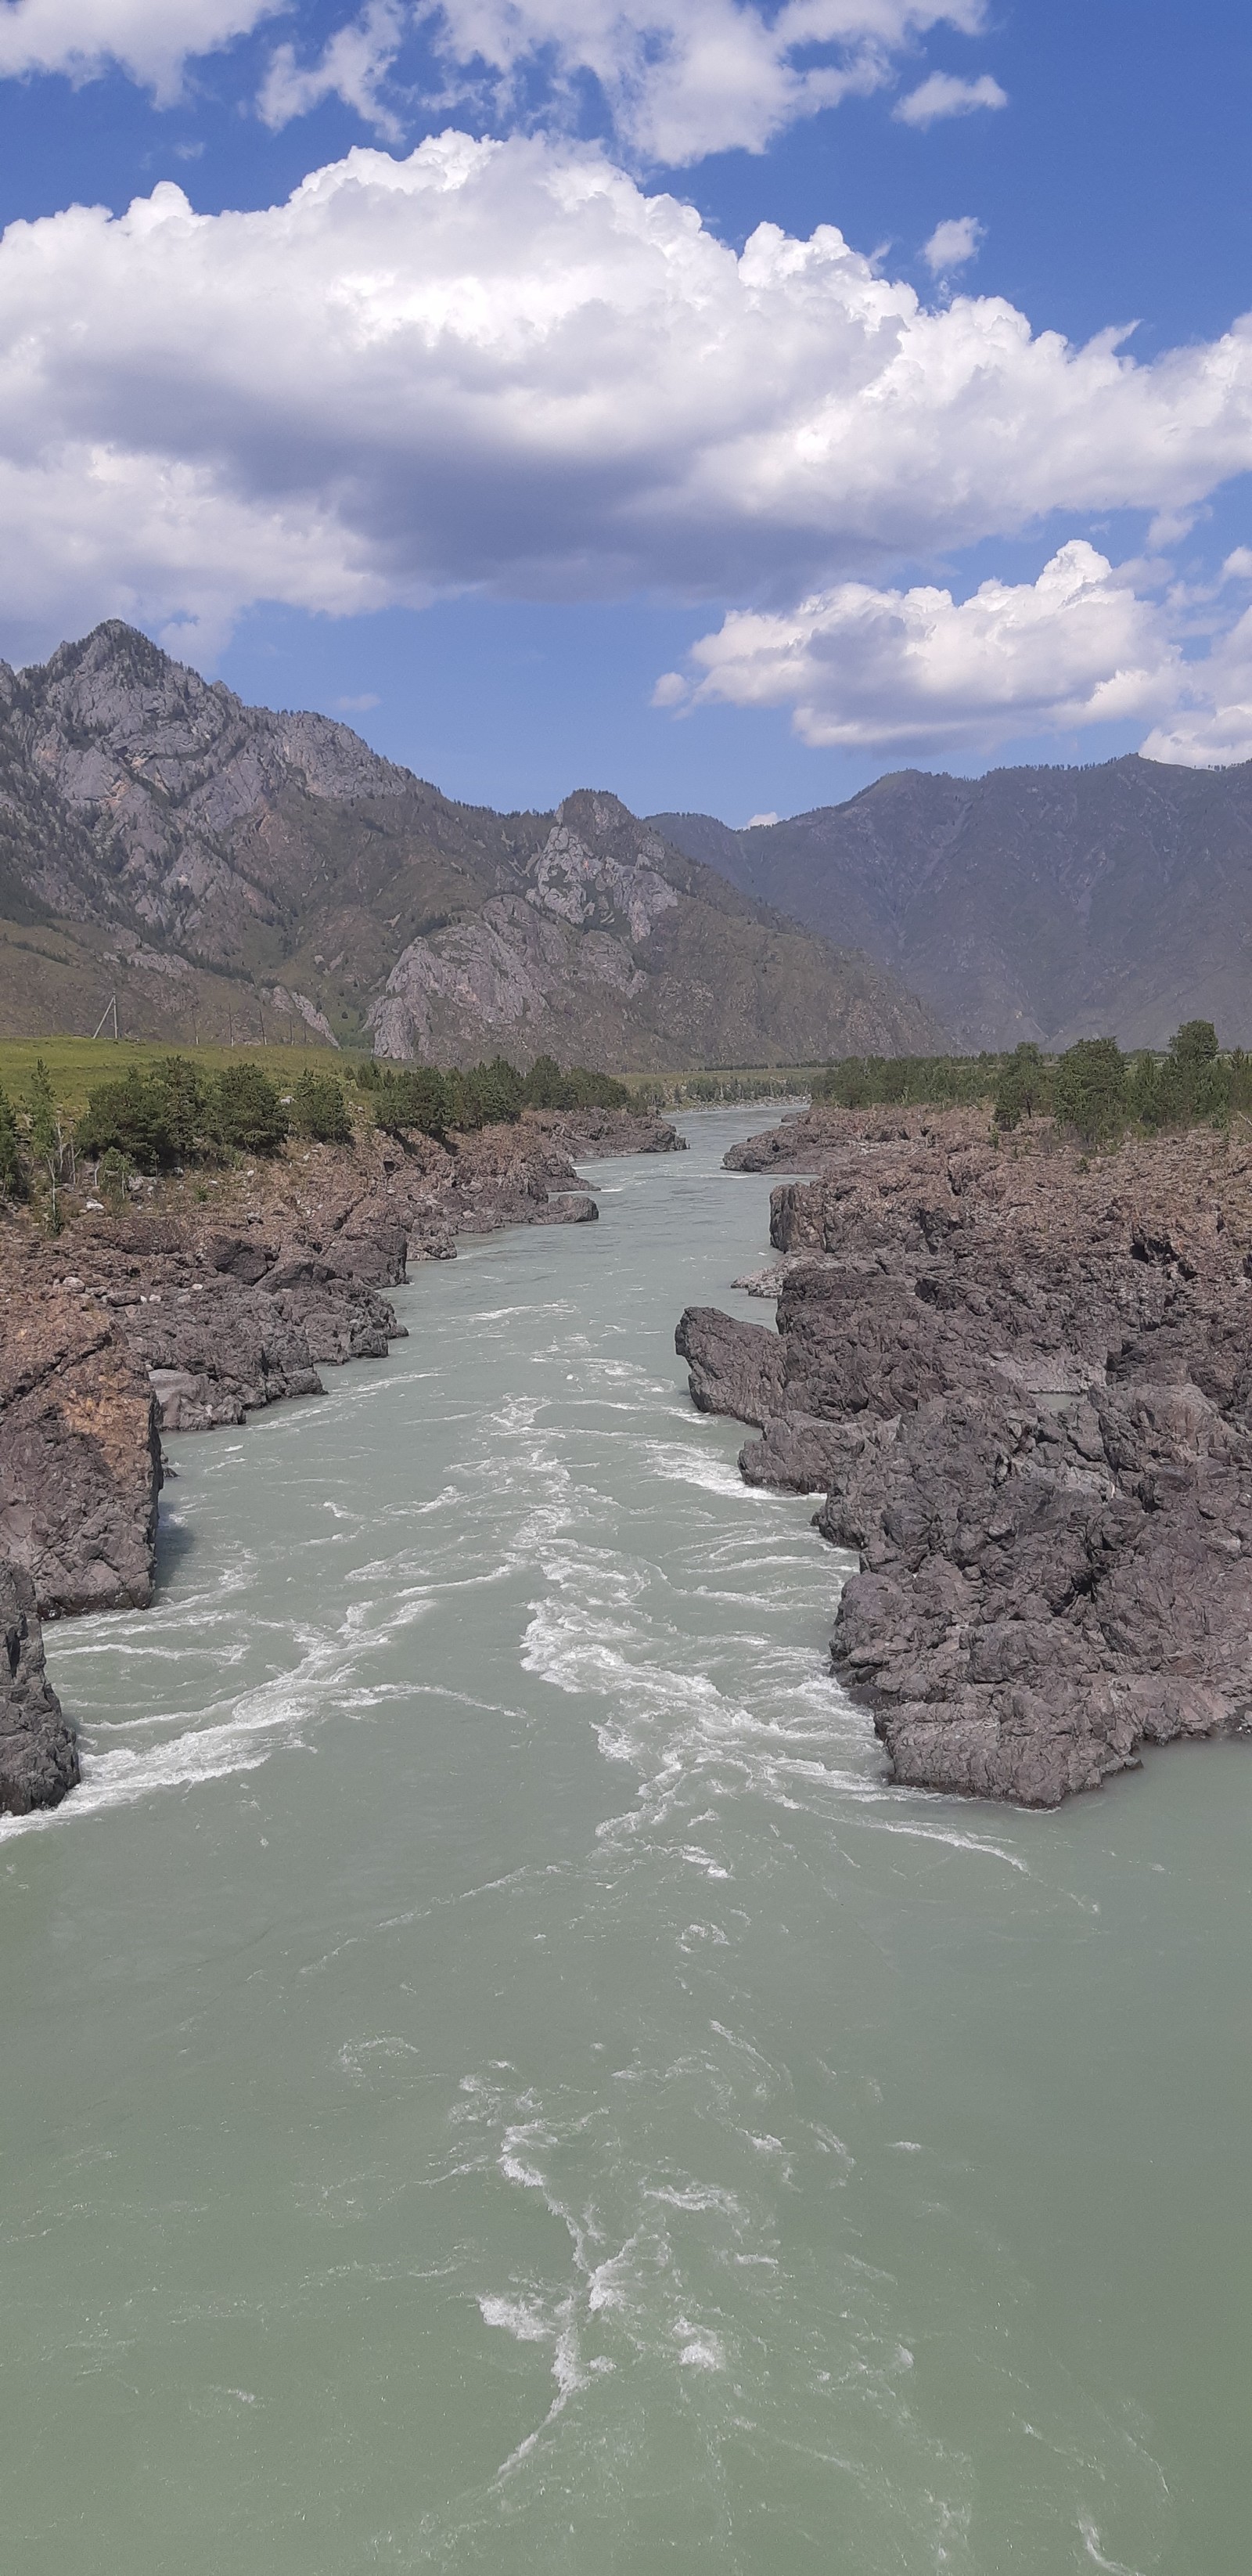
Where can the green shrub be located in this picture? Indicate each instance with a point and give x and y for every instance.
(908, 1081)
(1143, 1090)
(1089, 1089)
(486, 1095)
(244, 1114)
(154, 1115)
(167, 1113)
(115, 1172)
(48, 1138)
(319, 1110)
(1023, 1089)
(412, 1102)
(410, 1099)
(547, 1087)
(12, 1177)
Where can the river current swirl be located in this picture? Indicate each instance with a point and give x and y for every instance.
(494, 2078)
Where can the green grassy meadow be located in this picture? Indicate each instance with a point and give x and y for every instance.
(75, 1065)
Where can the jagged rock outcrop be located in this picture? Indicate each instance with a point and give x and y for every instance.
(1027, 1387)
(38, 1757)
(608, 1131)
(80, 1455)
(733, 1368)
(229, 871)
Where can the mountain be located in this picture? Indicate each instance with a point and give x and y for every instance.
(212, 862)
(1033, 903)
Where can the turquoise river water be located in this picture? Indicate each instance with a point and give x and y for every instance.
(493, 2079)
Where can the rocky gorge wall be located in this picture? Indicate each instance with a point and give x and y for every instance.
(1023, 1382)
(193, 1305)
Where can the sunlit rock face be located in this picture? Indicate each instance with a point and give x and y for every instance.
(232, 872)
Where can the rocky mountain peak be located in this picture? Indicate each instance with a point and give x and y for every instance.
(600, 864)
(214, 840)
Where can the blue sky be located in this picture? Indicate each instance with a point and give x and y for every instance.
(542, 479)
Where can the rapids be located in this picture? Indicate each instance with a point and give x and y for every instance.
(493, 2079)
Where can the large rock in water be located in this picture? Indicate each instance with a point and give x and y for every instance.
(38, 1759)
(1025, 1379)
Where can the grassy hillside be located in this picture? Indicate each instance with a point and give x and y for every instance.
(75, 1065)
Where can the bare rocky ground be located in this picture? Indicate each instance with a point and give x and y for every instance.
(197, 1301)
(1023, 1378)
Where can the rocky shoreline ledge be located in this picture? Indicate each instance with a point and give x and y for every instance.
(1023, 1380)
(196, 1302)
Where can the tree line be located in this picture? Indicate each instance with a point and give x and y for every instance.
(417, 1098)
(169, 1114)
(1092, 1089)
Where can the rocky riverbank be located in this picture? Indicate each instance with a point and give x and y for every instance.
(198, 1300)
(1023, 1378)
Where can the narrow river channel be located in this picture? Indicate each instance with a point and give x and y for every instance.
(493, 2079)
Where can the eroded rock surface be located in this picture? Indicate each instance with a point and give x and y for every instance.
(1027, 1388)
(38, 1759)
(80, 1455)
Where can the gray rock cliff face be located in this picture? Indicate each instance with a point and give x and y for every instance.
(80, 1454)
(1027, 1390)
(218, 862)
(38, 1760)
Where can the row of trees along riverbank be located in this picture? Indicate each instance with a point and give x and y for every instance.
(168, 1114)
(1092, 1089)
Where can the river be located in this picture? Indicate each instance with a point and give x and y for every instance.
(493, 2079)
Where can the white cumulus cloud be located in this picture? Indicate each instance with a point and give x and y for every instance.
(671, 690)
(953, 244)
(943, 94)
(502, 364)
(1212, 725)
(150, 39)
(683, 78)
(680, 78)
(916, 670)
(353, 66)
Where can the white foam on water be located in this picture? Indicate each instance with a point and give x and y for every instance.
(120, 1778)
(1090, 2537)
(522, 2318)
(684, 1619)
(951, 1837)
(679, 1464)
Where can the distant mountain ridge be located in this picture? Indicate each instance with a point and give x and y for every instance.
(217, 862)
(1047, 904)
